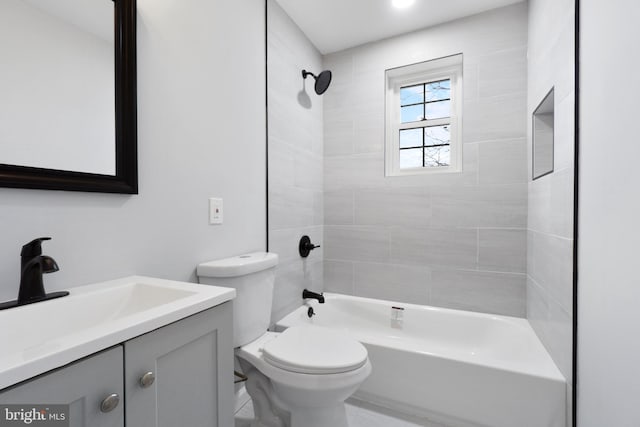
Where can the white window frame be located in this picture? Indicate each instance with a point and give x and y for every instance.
(448, 68)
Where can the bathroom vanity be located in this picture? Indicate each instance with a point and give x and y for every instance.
(162, 356)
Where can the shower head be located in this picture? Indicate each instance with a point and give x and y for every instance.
(322, 80)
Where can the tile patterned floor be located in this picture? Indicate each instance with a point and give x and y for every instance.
(360, 414)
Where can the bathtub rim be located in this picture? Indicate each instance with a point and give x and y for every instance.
(551, 372)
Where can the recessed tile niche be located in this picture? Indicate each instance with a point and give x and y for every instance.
(543, 137)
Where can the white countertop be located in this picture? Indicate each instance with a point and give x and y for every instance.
(39, 337)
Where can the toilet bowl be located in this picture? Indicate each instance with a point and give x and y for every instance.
(299, 377)
(312, 370)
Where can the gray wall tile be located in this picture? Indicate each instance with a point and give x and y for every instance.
(553, 325)
(550, 264)
(338, 137)
(338, 277)
(569, 397)
(490, 119)
(283, 242)
(550, 236)
(479, 206)
(499, 293)
(355, 171)
(339, 207)
(292, 207)
(281, 164)
(470, 83)
(560, 338)
(537, 308)
(502, 73)
(378, 230)
(401, 283)
(308, 171)
(502, 250)
(291, 279)
(564, 133)
(561, 202)
(434, 247)
(539, 204)
(368, 131)
(502, 162)
(551, 204)
(430, 221)
(295, 162)
(390, 206)
(356, 243)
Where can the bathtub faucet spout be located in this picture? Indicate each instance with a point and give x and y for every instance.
(308, 294)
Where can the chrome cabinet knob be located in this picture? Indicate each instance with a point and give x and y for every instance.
(110, 403)
(147, 379)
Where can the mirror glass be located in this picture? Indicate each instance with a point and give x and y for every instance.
(57, 83)
(543, 118)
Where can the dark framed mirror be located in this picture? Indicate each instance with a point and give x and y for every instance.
(49, 127)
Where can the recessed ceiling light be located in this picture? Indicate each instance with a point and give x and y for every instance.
(402, 4)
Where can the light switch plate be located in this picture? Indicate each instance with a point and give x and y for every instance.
(215, 211)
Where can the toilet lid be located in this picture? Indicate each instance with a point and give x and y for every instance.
(311, 349)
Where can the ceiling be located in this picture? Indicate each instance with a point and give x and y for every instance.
(334, 25)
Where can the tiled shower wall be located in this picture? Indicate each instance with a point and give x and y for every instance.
(448, 239)
(295, 159)
(550, 225)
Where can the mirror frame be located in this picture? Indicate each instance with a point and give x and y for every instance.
(125, 179)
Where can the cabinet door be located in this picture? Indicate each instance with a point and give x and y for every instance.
(83, 386)
(192, 363)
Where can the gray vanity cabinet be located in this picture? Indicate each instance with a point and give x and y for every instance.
(178, 375)
(182, 374)
(82, 385)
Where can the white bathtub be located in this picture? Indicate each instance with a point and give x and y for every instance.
(455, 367)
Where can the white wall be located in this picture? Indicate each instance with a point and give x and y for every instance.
(450, 239)
(608, 288)
(295, 160)
(550, 207)
(201, 134)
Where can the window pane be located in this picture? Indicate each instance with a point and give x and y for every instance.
(411, 95)
(437, 91)
(415, 113)
(437, 156)
(438, 110)
(436, 135)
(411, 138)
(411, 158)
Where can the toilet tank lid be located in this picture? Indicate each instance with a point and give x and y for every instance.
(240, 265)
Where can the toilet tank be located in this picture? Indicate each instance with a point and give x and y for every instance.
(252, 275)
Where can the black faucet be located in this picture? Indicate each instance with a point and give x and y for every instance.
(32, 266)
(308, 294)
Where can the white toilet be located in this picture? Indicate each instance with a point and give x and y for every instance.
(297, 378)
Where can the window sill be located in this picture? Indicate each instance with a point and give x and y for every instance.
(423, 171)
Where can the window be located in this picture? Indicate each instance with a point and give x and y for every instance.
(423, 117)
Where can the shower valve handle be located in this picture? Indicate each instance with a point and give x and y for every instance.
(306, 246)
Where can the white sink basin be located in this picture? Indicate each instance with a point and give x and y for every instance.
(43, 336)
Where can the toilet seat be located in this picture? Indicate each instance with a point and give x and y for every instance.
(254, 354)
(310, 349)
